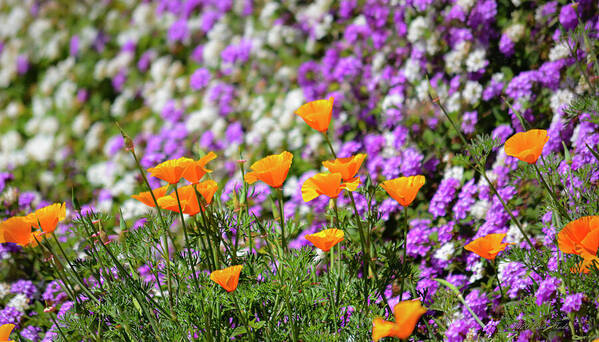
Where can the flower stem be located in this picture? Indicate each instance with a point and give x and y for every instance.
(551, 193)
(191, 268)
(282, 218)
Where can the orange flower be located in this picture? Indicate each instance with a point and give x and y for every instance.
(328, 184)
(146, 197)
(582, 233)
(347, 167)
(48, 217)
(326, 239)
(588, 259)
(404, 189)
(272, 170)
(488, 246)
(317, 114)
(172, 170)
(18, 230)
(187, 195)
(227, 278)
(407, 313)
(527, 146)
(5, 331)
(196, 169)
(170, 203)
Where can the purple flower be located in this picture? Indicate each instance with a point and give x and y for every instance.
(54, 292)
(506, 45)
(25, 287)
(567, 17)
(22, 64)
(490, 328)
(31, 333)
(178, 31)
(465, 200)
(546, 290)
(572, 302)
(10, 315)
(469, 121)
(443, 197)
(74, 46)
(199, 79)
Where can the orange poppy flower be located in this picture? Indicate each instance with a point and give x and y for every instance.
(404, 189)
(146, 197)
(407, 313)
(588, 259)
(527, 146)
(580, 233)
(347, 167)
(227, 278)
(17, 229)
(328, 184)
(5, 331)
(172, 170)
(326, 239)
(170, 203)
(317, 114)
(272, 170)
(197, 169)
(488, 246)
(48, 217)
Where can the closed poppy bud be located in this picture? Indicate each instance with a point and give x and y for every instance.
(404, 189)
(172, 170)
(5, 331)
(227, 278)
(326, 239)
(197, 169)
(347, 167)
(580, 233)
(527, 146)
(48, 217)
(272, 170)
(146, 197)
(407, 313)
(328, 184)
(317, 114)
(488, 246)
(17, 230)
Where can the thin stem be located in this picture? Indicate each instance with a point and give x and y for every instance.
(497, 278)
(542, 179)
(60, 332)
(243, 317)
(282, 218)
(165, 232)
(191, 268)
(326, 138)
(405, 248)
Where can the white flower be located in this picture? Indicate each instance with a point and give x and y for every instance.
(560, 99)
(200, 120)
(515, 32)
(80, 124)
(40, 147)
(559, 51)
(514, 235)
(455, 172)
(10, 141)
(477, 271)
(19, 302)
(476, 60)
(295, 139)
(479, 209)
(472, 92)
(412, 70)
(417, 29)
(422, 90)
(453, 102)
(445, 252)
(4, 289)
(466, 5)
(274, 140)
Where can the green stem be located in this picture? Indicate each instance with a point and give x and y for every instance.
(497, 278)
(243, 317)
(405, 248)
(282, 218)
(562, 210)
(189, 260)
(461, 299)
